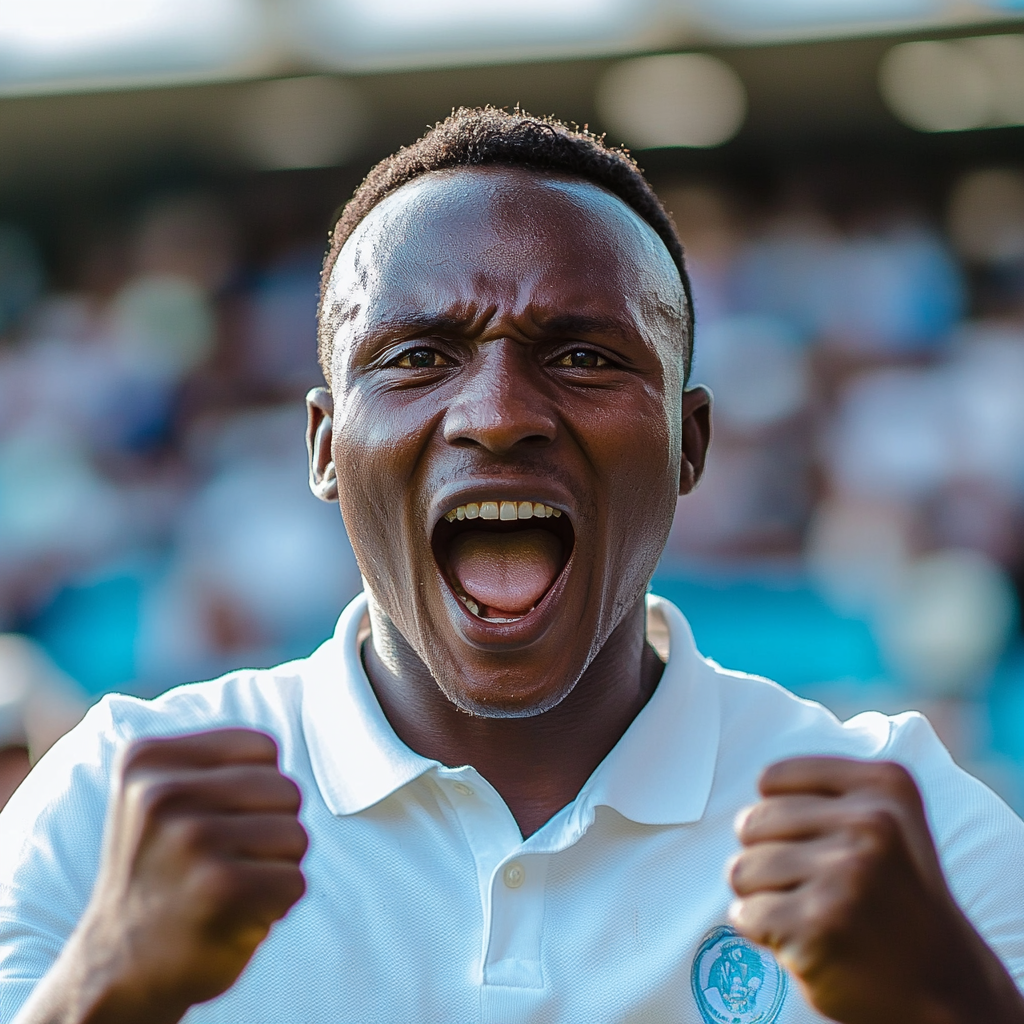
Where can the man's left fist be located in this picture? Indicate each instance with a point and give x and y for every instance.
(840, 878)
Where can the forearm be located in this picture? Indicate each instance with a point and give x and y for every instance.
(89, 985)
(963, 982)
(991, 995)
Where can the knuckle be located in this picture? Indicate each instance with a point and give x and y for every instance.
(150, 796)
(895, 778)
(301, 841)
(735, 871)
(216, 885)
(189, 835)
(251, 743)
(136, 753)
(291, 791)
(873, 828)
(881, 824)
(295, 887)
(267, 782)
(749, 822)
(264, 747)
(146, 751)
(819, 915)
(849, 870)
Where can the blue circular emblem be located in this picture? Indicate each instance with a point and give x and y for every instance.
(735, 981)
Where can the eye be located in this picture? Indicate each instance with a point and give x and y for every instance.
(582, 359)
(420, 359)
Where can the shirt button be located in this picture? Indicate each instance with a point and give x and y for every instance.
(514, 874)
(462, 789)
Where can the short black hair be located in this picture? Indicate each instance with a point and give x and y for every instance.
(479, 136)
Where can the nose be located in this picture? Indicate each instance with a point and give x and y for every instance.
(499, 405)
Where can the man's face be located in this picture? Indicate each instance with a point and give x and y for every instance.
(508, 428)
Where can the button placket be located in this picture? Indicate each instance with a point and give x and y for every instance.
(490, 832)
(517, 923)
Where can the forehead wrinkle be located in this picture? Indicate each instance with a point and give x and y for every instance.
(377, 263)
(461, 319)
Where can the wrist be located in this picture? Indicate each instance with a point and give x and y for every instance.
(95, 981)
(979, 987)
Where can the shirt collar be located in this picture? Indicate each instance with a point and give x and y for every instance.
(659, 773)
(357, 758)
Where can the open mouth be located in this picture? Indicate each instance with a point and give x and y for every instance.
(502, 557)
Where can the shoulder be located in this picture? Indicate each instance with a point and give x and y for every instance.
(976, 834)
(66, 793)
(265, 699)
(762, 722)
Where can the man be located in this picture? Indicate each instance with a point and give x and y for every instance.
(516, 810)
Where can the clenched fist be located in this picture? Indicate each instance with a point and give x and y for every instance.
(201, 857)
(840, 878)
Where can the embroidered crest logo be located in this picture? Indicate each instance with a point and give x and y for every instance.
(735, 981)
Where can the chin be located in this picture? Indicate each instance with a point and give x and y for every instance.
(502, 697)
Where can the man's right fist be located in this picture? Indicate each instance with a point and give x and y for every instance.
(201, 857)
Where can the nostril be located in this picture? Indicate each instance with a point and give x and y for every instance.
(499, 434)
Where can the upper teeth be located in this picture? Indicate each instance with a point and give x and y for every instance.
(502, 510)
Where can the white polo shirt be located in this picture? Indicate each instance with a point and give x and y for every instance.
(424, 903)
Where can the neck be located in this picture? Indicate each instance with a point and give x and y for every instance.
(537, 764)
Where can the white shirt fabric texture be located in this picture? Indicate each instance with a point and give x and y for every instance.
(424, 903)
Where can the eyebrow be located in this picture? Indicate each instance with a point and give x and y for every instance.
(581, 323)
(428, 323)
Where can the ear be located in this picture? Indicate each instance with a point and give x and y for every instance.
(323, 480)
(696, 436)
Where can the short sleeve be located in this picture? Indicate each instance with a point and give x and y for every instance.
(51, 834)
(979, 839)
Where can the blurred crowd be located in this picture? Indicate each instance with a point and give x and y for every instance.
(867, 462)
(868, 367)
(155, 524)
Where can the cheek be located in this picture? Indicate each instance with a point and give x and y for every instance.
(633, 442)
(374, 454)
(637, 452)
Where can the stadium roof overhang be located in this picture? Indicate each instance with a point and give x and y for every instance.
(65, 46)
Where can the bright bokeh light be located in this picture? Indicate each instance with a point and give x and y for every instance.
(956, 85)
(804, 14)
(681, 99)
(372, 33)
(60, 26)
(406, 15)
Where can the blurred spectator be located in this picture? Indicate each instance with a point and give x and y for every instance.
(38, 704)
(261, 567)
(279, 325)
(21, 276)
(894, 289)
(948, 623)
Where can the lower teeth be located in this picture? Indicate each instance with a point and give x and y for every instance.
(475, 609)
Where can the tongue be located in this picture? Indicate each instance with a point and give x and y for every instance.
(505, 573)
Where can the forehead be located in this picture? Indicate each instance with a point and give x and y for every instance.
(504, 237)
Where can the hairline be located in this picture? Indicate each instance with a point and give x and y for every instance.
(334, 253)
